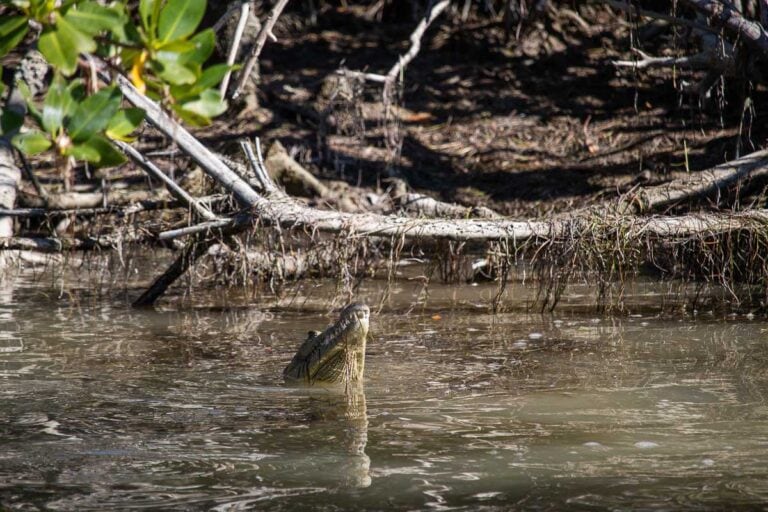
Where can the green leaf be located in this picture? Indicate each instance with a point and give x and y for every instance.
(93, 114)
(59, 103)
(204, 42)
(11, 24)
(31, 143)
(92, 18)
(108, 155)
(12, 31)
(149, 10)
(83, 152)
(62, 44)
(123, 123)
(179, 19)
(190, 117)
(174, 72)
(208, 105)
(210, 78)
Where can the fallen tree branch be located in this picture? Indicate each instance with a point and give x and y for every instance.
(174, 189)
(193, 250)
(55, 245)
(702, 183)
(120, 211)
(753, 34)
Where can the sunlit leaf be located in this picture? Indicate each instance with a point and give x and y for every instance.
(61, 44)
(149, 11)
(179, 19)
(204, 42)
(208, 105)
(190, 117)
(83, 152)
(210, 78)
(31, 143)
(174, 72)
(107, 154)
(58, 104)
(93, 114)
(92, 18)
(123, 123)
(12, 31)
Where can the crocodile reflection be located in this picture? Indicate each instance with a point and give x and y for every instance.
(335, 359)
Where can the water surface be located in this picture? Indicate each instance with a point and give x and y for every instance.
(182, 408)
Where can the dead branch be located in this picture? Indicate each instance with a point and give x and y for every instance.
(193, 250)
(175, 190)
(253, 58)
(753, 34)
(234, 48)
(214, 167)
(702, 183)
(432, 13)
(76, 200)
(723, 63)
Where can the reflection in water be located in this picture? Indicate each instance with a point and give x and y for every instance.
(348, 411)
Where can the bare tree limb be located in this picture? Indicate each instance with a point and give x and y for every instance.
(702, 183)
(245, 10)
(432, 13)
(175, 190)
(753, 34)
(723, 63)
(253, 58)
(239, 188)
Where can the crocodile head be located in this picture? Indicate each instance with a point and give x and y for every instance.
(336, 355)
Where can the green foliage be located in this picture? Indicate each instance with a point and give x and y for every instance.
(78, 125)
(172, 55)
(157, 48)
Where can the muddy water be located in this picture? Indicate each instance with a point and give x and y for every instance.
(182, 408)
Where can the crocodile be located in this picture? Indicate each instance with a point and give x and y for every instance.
(335, 356)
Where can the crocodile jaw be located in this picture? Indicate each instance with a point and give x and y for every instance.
(335, 356)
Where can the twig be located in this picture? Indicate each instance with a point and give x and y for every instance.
(242, 219)
(224, 17)
(258, 167)
(702, 60)
(432, 13)
(175, 190)
(31, 175)
(245, 10)
(253, 58)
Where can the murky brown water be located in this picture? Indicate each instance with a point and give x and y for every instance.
(182, 408)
